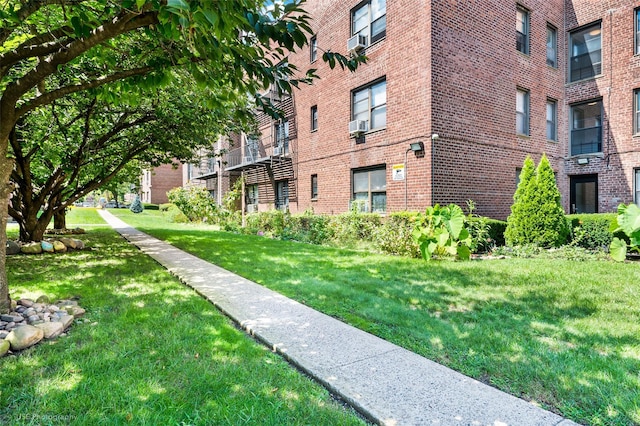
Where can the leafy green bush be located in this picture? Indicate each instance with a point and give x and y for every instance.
(149, 206)
(166, 206)
(395, 235)
(307, 228)
(174, 214)
(196, 203)
(591, 231)
(351, 229)
(441, 232)
(496, 231)
(269, 223)
(536, 215)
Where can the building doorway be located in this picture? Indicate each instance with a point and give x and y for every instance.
(584, 194)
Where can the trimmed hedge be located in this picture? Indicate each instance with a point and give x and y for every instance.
(592, 231)
(148, 206)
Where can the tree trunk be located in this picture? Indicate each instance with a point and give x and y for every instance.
(60, 219)
(6, 166)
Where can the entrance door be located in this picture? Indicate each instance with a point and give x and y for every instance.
(584, 194)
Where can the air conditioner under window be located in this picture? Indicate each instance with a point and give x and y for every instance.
(252, 208)
(358, 126)
(356, 43)
(278, 150)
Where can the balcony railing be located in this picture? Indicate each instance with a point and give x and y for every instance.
(254, 153)
(586, 65)
(586, 141)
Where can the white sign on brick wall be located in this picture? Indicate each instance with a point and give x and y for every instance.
(398, 171)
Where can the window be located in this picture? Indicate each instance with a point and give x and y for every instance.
(522, 112)
(584, 194)
(282, 195)
(370, 104)
(586, 128)
(313, 49)
(522, 30)
(552, 46)
(252, 196)
(637, 28)
(636, 186)
(552, 120)
(636, 111)
(370, 189)
(314, 118)
(314, 187)
(281, 138)
(586, 53)
(370, 20)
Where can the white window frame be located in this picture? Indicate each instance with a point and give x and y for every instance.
(522, 29)
(636, 112)
(552, 46)
(365, 107)
(313, 49)
(368, 15)
(522, 110)
(552, 122)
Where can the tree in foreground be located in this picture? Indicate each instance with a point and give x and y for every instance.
(536, 215)
(51, 49)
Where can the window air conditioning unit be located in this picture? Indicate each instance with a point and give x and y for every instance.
(356, 43)
(252, 208)
(358, 126)
(278, 150)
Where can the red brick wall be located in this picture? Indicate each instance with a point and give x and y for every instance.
(163, 179)
(620, 76)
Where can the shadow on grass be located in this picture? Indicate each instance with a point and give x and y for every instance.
(540, 330)
(150, 352)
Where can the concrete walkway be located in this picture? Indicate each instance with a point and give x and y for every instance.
(387, 384)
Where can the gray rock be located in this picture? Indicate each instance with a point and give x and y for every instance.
(3, 334)
(13, 317)
(47, 247)
(23, 337)
(29, 312)
(76, 311)
(4, 347)
(79, 244)
(64, 303)
(12, 248)
(43, 299)
(51, 329)
(27, 303)
(65, 319)
(33, 318)
(10, 326)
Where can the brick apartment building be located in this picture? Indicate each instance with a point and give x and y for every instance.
(154, 184)
(453, 98)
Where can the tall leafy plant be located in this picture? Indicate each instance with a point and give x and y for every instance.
(627, 221)
(441, 231)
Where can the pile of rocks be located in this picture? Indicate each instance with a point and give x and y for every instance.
(59, 245)
(29, 322)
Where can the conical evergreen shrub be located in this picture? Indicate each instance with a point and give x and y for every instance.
(536, 215)
(517, 232)
(136, 206)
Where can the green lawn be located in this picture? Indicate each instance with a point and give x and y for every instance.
(565, 334)
(150, 351)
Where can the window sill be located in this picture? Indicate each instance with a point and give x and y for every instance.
(523, 136)
(314, 130)
(590, 155)
(552, 141)
(595, 77)
(314, 199)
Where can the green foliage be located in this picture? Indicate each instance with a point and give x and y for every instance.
(136, 206)
(627, 221)
(479, 229)
(395, 235)
(231, 200)
(195, 202)
(165, 207)
(591, 231)
(149, 206)
(441, 232)
(536, 215)
(353, 228)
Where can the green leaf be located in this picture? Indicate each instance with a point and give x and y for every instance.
(629, 219)
(618, 250)
(464, 253)
(140, 3)
(455, 223)
(178, 4)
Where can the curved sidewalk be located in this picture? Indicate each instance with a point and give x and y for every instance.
(387, 384)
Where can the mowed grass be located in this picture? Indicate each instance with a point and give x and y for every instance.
(148, 352)
(563, 334)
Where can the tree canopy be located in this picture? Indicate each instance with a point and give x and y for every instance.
(50, 49)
